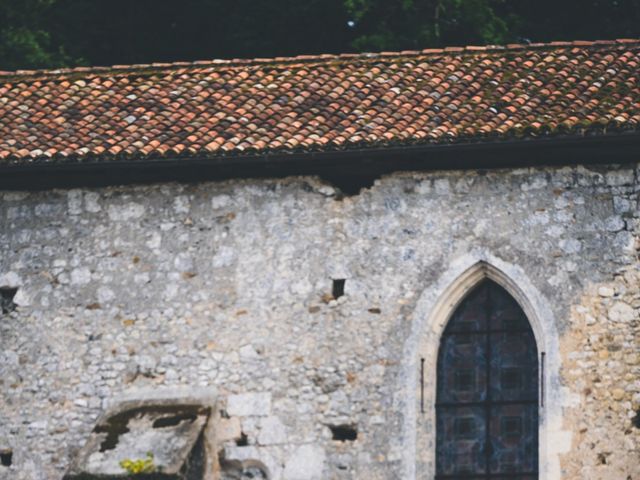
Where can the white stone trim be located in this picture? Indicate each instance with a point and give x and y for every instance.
(433, 310)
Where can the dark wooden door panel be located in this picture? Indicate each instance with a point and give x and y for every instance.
(487, 395)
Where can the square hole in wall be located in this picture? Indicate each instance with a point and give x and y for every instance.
(6, 458)
(6, 299)
(338, 287)
(343, 433)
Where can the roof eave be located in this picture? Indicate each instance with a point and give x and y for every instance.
(602, 149)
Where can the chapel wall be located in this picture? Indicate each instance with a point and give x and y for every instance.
(229, 285)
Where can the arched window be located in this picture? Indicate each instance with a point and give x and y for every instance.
(487, 391)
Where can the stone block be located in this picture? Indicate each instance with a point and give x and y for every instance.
(253, 462)
(617, 393)
(228, 429)
(272, 432)
(10, 279)
(621, 312)
(305, 463)
(80, 276)
(606, 292)
(249, 404)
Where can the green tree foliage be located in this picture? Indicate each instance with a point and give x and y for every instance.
(105, 32)
(548, 20)
(401, 24)
(25, 41)
(49, 33)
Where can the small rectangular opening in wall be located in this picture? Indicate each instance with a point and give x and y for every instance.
(338, 287)
(243, 441)
(344, 433)
(6, 299)
(6, 457)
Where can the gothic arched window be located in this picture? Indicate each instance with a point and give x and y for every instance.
(487, 391)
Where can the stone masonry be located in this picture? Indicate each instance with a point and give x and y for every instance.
(230, 285)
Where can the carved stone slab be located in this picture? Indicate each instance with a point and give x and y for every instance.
(149, 437)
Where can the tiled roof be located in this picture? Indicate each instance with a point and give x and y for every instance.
(320, 103)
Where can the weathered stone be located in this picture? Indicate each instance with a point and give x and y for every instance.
(80, 276)
(159, 434)
(614, 224)
(228, 429)
(238, 463)
(10, 279)
(606, 291)
(247, 352)
(305, 463)
(620, 177)
(249, 404)
(272, 432)
(621, 312)
(571, 245)
(222, 284)
(22, 298)
(617, 393)
(126, 212)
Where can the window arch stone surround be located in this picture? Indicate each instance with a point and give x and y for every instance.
(433, 309)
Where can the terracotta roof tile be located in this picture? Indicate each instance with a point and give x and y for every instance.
(320, 103)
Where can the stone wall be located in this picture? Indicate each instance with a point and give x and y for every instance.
(230, 285)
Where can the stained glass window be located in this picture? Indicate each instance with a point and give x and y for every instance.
(487, 397)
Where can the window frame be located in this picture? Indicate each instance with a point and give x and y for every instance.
(485, 303)
(432, 310)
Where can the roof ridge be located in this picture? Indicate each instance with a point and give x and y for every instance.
(239, 62)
